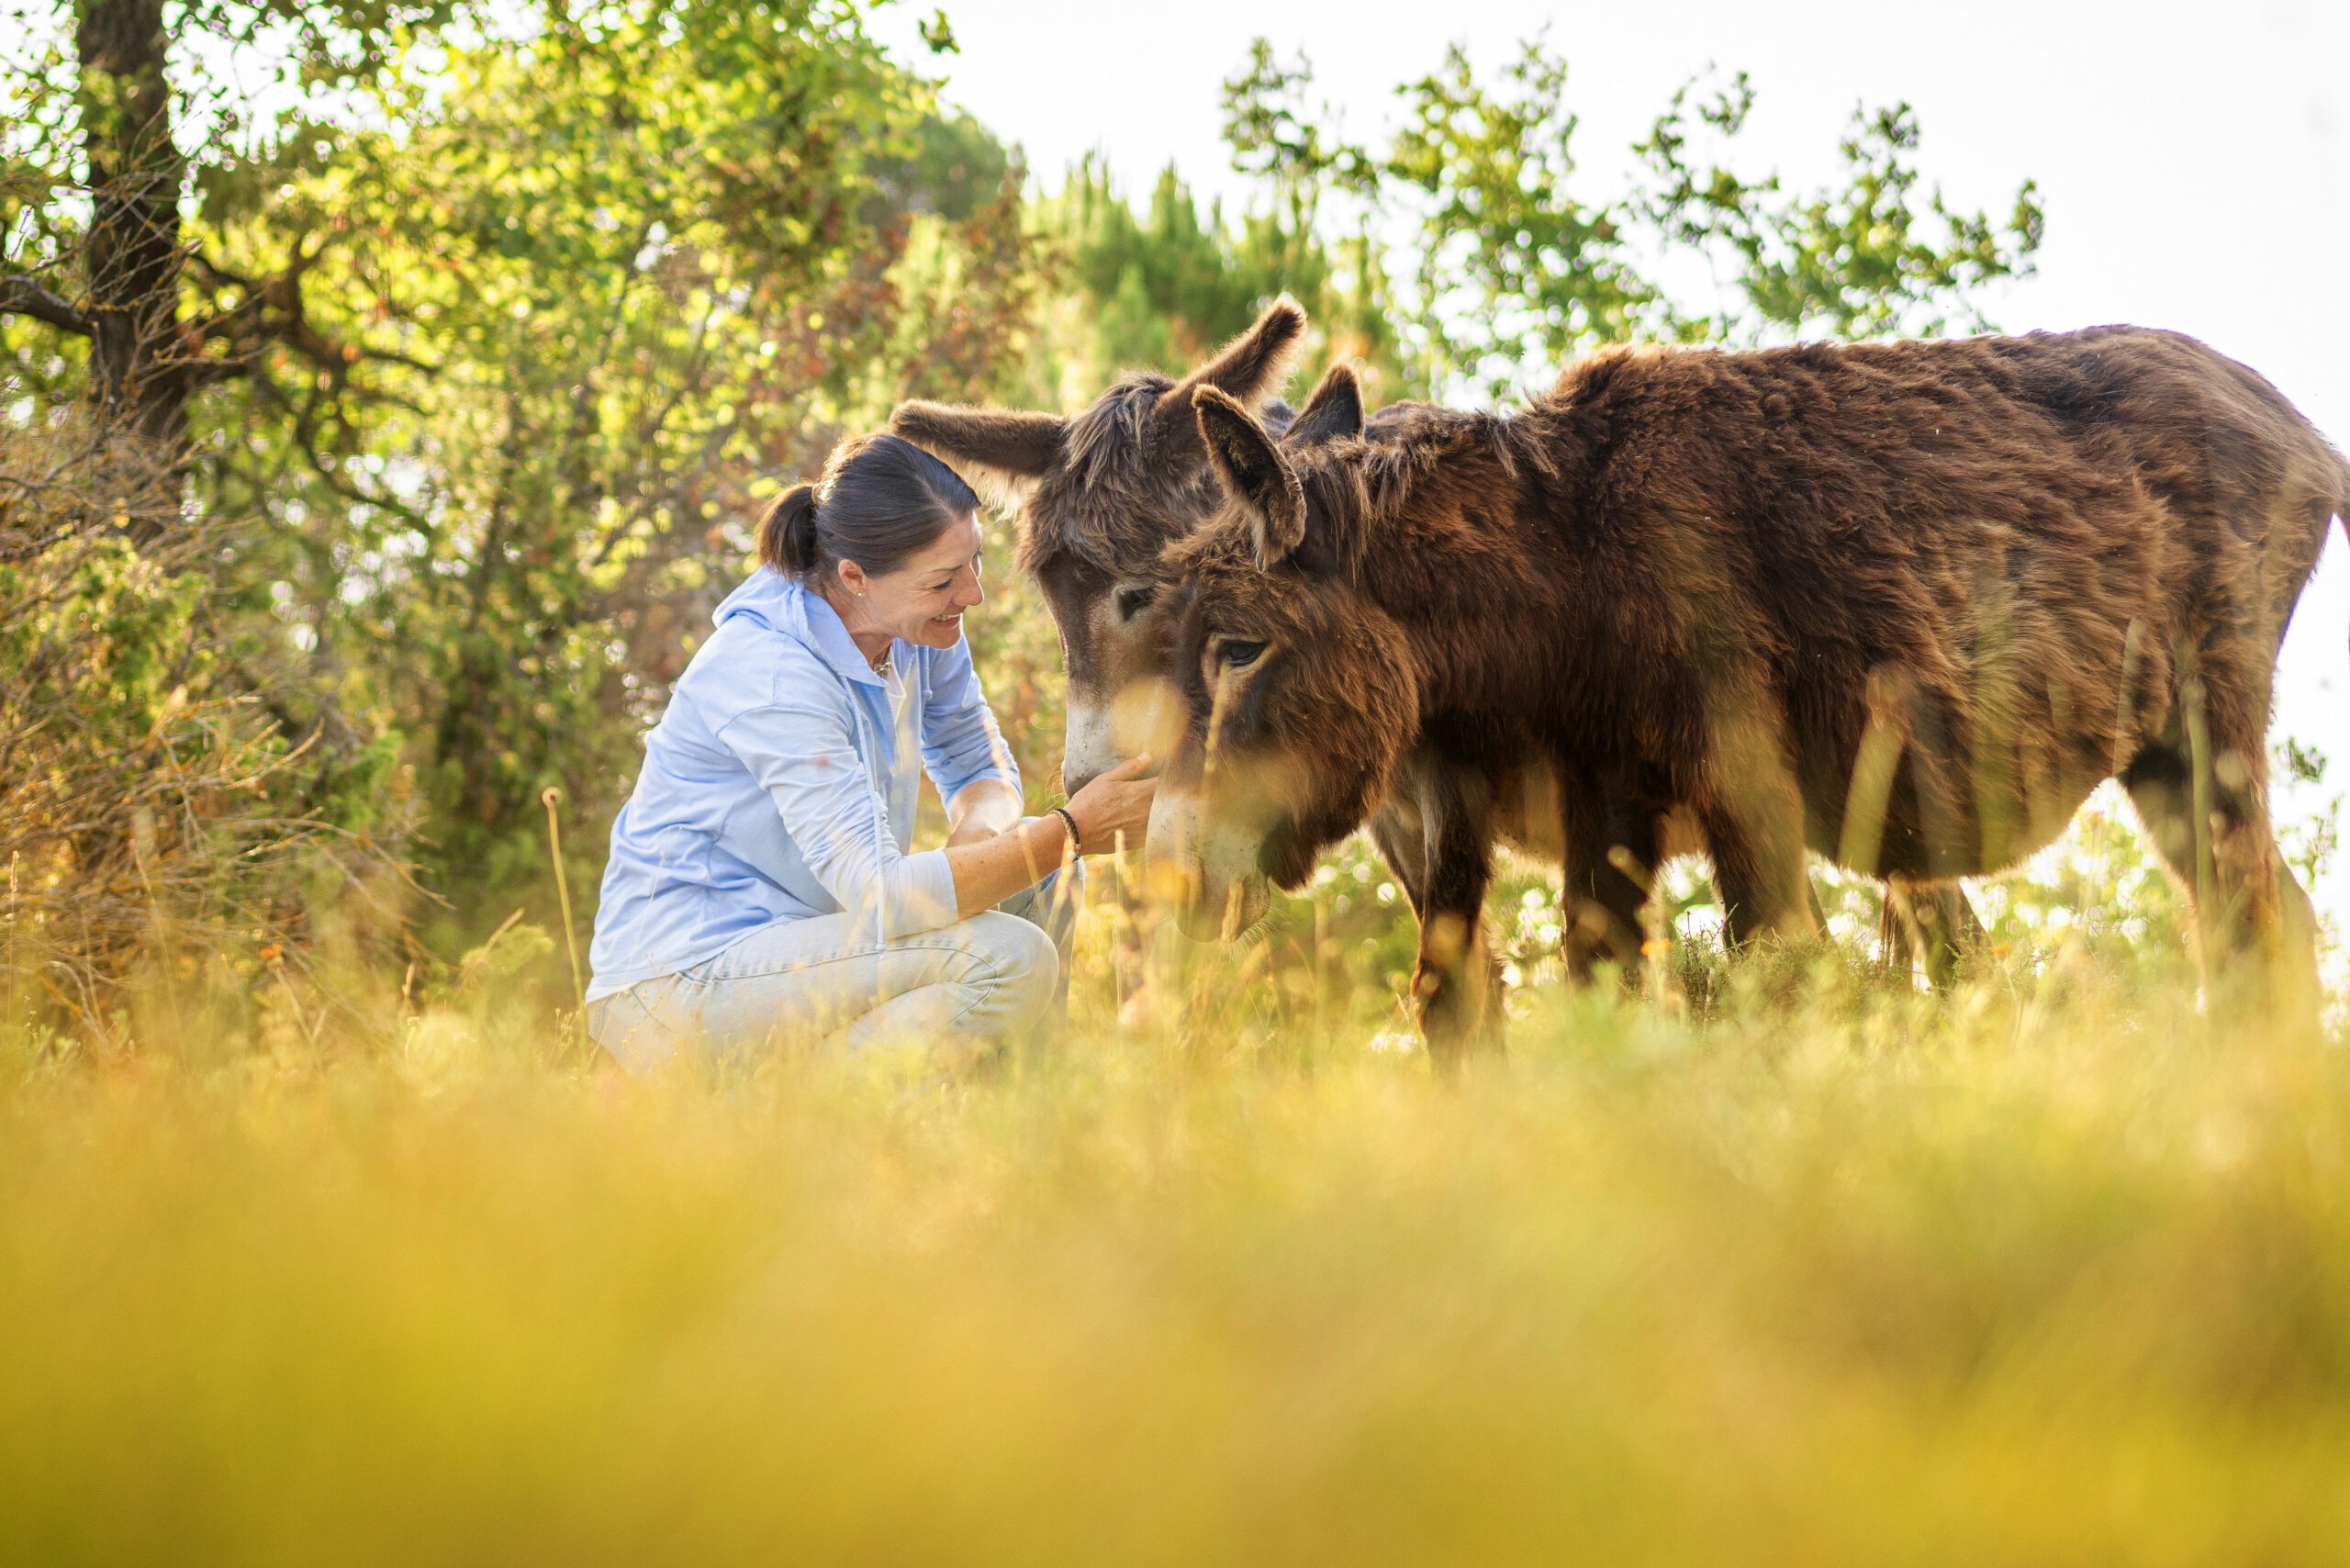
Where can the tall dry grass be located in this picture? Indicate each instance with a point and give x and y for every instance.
(2053, 1270)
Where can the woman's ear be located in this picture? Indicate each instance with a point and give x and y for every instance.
(1242, 455)
(852, 577)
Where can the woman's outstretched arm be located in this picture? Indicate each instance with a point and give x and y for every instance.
(1112, 810)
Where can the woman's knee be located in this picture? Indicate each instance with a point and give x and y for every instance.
(1020, 968)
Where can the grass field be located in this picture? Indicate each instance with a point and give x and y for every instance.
(2054, 1271)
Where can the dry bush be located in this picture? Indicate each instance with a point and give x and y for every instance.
(154, 817)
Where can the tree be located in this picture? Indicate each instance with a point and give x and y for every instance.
(1515, 268)
(98, 250)
(1849, 262)
(1160, 289)
(478, 360)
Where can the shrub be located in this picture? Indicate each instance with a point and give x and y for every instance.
(157, 814)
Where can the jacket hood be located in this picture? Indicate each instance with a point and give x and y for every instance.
(768, 598)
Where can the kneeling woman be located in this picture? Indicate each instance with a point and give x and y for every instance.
(761, 886)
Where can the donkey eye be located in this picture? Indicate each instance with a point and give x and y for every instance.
(1236, 655)
(1133, 602)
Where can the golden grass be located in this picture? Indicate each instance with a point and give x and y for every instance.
(2051, 1272)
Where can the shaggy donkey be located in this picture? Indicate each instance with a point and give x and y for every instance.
(1102, 493)
(1903, 603)
(1105, 490)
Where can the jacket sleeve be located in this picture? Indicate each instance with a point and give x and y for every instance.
(960, 742)
(802, 755)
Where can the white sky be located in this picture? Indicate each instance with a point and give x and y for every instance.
(2194, 159)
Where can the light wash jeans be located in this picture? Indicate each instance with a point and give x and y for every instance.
(962, 987)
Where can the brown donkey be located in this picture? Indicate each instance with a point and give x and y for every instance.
(1903, 603)
(1104, 491)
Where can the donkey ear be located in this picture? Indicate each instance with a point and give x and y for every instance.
(1248, 369)
(1002, 453)
(1333, 413)
(1253, 469)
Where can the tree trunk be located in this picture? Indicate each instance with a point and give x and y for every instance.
(140, 368)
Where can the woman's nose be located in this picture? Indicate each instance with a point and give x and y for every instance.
(972, 594)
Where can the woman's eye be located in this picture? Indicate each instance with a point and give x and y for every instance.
(1236, 655)
(1133, 602)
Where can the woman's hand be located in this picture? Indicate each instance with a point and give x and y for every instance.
(1113, 810)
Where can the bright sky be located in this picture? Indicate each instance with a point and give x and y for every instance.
(2194, 159)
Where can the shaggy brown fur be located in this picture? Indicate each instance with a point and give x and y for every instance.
(1903, 603)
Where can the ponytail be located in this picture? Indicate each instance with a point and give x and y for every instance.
(787, 539)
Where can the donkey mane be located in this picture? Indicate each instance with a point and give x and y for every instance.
(1360, 490)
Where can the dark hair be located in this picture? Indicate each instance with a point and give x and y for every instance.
(880, 499)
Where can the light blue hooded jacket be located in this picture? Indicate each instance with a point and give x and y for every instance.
(779, 785)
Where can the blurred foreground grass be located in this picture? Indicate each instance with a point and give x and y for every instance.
(2052, 1271)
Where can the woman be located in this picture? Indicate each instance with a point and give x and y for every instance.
(760, 885)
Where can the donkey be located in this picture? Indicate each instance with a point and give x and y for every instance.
(1102, 492)
(1454, 793)
(1105, 490)
(1903, 604)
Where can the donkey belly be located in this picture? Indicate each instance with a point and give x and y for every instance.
(1959, 820)
(1526, 814)
(1529, 819)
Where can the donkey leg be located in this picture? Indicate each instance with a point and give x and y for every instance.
(1762, 875)
(1395, 831)
(2162, 789)
(2273, 965)
(2161, 782)
(1949, 929)
(1607, 841)
(1400, 831)
(1457, 977)
(1931, 925)
(1751, 807)
(2298, 931)
(1897, 932)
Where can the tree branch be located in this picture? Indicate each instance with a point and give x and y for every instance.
(273, 311)
(23, 297)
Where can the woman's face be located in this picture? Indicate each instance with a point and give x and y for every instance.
(923, 601)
